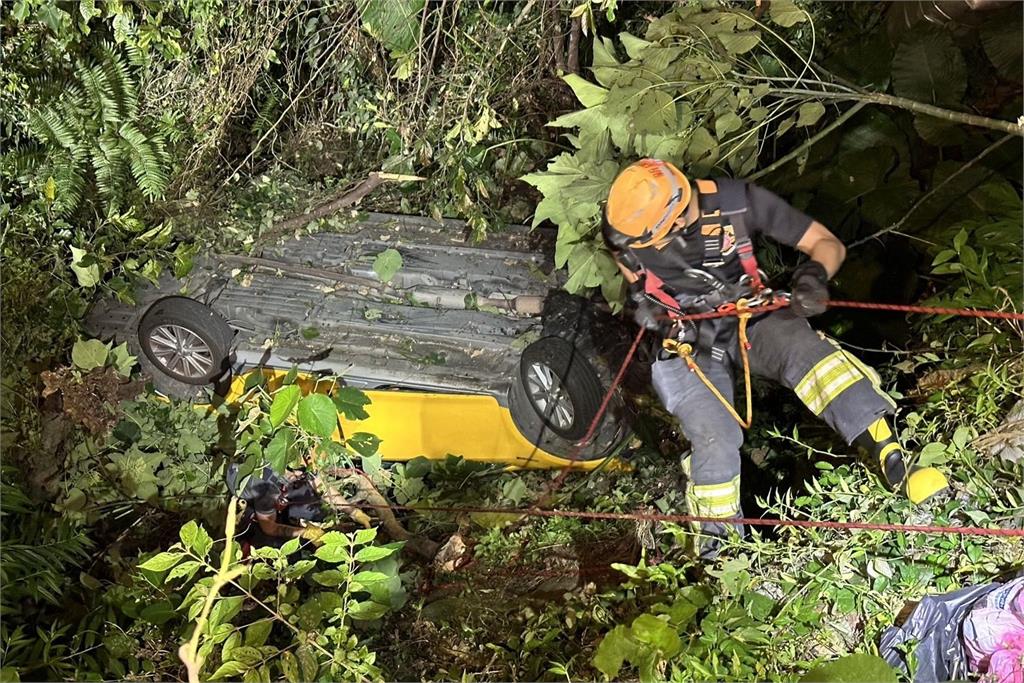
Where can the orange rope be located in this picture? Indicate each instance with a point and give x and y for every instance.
(685, 350)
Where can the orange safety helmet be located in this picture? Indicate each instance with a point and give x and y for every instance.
(645, 200)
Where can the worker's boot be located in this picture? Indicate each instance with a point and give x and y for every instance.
(918, 483)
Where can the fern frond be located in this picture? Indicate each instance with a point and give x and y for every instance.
(48, 126)
(69, 183)
(36, 551)
(122, 85)
(101, 94)
(108, 163)
(20, 163)
(145, 161)
(47, 87)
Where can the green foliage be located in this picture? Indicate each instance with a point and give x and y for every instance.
(308, 600)
(37, 558)
(690, 94)
(89, 127)
(850, 669)
(396, 24)
(158, 454)
(387, 263)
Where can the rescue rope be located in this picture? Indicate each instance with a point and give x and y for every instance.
(744, 313)
(685, 352)
(838, 303)
(574, 452)
(927, 310)
(750, 521)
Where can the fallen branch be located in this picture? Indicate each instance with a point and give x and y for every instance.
(350, 197)
(360, 283)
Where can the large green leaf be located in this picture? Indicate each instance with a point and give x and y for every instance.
(278, 451)
(283, 404)
(195, 538)
(613, 650)
(657, 633)
(586, 92)
(351, 403)
(395, 23)
(854, 668)
(386, 264)
(317, 415)
(88, 354)
(929, 67)
(572, 189)
(635, 47)
(1001, 38)
(738, 43)
(809, 113)
(86, 267)
(786, 13)
(727, 123)
(589, 266)
(655, 113)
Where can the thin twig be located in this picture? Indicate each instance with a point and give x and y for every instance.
(573, 58)
(813, 140)
(927, 195)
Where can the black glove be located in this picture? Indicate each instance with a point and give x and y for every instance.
(809, 289)
(648, 314)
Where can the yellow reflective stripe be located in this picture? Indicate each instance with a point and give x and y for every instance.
(872, 375)
(830, 377)
(715, 500)
(880, 431)
(716, 510)
(730, 487)
(889, 448)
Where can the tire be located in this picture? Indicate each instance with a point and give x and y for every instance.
(177, 323)
(556, 390)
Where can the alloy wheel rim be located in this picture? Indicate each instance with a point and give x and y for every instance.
(181, 351)
(549, 395)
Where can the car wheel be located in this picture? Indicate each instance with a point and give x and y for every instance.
(557, 387)
(186, 341)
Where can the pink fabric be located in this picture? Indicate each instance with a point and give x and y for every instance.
(1007, 663)
(984, 630)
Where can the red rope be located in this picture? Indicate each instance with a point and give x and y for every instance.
(900, 308)
(929, 310)
(751, 521)
(574, 453)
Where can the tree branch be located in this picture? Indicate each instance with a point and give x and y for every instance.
(916, 205)
(573, 59)
(914, 106)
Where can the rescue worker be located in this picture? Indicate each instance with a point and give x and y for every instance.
(687, 246)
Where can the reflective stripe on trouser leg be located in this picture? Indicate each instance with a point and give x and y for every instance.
(833, 384)
(713, 467)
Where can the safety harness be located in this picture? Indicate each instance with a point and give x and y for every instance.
(723, 206)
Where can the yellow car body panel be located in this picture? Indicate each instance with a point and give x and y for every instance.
(410, 424)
